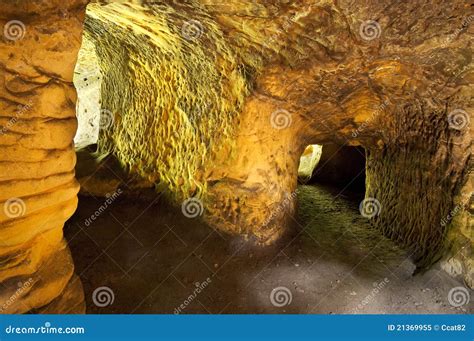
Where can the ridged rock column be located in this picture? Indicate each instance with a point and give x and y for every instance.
(38, 191)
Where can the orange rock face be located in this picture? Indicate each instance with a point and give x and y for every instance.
(38, 48)
(393, 77)
(398, 86)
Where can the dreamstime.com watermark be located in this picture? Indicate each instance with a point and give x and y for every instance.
(465, 24)
(21, 110)
(281, 119)
(445, 221)
(380, 109)
(110, 199)
(370, 30)
(46, 329)
(192, 30)
(458, 208)
(285, 204)
(14, 208)
(22, 287)
(199, 288)
(14, 30)
(378, 286)
(106, 119)
(458, 119)
(274, 41)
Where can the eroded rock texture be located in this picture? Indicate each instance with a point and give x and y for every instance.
(170, 101)
(218, 101)
(87, 81)
(38, 50)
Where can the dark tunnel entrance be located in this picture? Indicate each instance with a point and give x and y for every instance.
(340, 167)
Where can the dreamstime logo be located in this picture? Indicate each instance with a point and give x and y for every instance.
(458, 119)
(103, 296)
(370, 207)
(192, 30)
(14, 30)
(281, 119)
(370, 30)
(281, 296)
(458, 296)
(192, 207)
(14, 208)
(106, 119)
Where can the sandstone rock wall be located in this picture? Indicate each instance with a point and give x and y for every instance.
(172, 93)
(38, 50)
(87, 81)
(393, 77)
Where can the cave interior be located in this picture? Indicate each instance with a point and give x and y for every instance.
(248, 157)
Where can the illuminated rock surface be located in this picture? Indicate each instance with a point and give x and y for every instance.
(264, 81)
(38, 190)
(217, 102)
(309, 160)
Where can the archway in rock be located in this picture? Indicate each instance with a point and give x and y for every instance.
(201, 104)
(308, 161)
(342, 167)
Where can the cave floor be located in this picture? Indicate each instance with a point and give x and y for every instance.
(153, 258)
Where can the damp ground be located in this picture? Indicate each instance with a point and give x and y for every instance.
(155, 260)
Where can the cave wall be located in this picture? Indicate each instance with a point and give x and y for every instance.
(425, 165)
(87, 81)
(384, 75)
(38, 190)
(244, 96)
(458, 260)
(172, 98)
